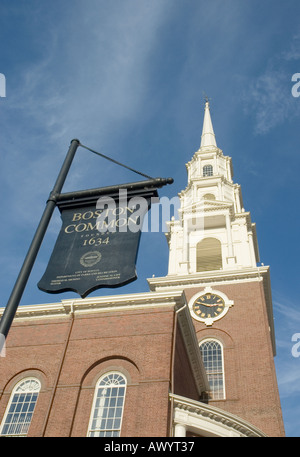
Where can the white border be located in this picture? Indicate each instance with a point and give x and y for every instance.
(210, 320)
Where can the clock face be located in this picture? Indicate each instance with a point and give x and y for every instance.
(209, 306)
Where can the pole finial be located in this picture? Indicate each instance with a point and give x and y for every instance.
(208, 136)
(206, 99)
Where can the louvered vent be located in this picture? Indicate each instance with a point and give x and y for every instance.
(209, 255)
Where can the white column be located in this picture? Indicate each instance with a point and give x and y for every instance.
(237, 200)
(251, 248)
(231, 260)
(180, 430)
(220, 193)
(215, 170)
(229, 236)
(185, 247)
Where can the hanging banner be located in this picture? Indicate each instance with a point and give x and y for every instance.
(98, 242)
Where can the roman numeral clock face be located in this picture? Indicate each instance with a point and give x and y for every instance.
(208, 305)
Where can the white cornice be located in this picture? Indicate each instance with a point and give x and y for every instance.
(206, 205)
(192, 346)
(98, 304)
(128, 302)
(178, 282)
(219, 278)
(210, 421)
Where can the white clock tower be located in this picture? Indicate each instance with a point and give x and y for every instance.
(214, 260)
(213, 231)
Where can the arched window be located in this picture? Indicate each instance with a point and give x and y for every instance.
(20, 408)
(212, 355)
(209, 197)
(209, 255)
(107, 410)
(207, 170)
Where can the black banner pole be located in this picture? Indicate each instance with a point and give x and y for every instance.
(25, 271)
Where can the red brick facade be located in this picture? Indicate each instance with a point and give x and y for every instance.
(250, 378)
(69, 351)
(68, 355)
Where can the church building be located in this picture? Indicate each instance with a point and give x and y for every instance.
(192, 357)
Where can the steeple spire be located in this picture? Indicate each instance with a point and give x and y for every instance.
(208, 136)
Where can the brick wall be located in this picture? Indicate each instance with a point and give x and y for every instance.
(250, 378)
(69, 355)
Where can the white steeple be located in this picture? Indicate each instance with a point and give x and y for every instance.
(213, 232)
(208, 136)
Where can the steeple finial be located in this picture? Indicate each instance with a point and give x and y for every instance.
(208, 136)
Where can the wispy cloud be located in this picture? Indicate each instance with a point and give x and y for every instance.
(86, 89)
(293, 53)
(288, 366)
(285, 306)
(270, 99)
(267, 97)
(99, 75)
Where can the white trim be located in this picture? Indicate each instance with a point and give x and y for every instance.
(96, 393)
(210, 321)
(130, 302)
(223, 365)
(13, 393)
(100, 304)
(217, 277)
(207, 420)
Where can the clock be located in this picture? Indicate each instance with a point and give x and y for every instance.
(209, 305)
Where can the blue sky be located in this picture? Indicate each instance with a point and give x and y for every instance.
(128, 78)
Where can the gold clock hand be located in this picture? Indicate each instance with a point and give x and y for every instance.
(207, 304)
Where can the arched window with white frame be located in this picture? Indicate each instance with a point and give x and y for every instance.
(19, 412)
(208, 170)
(213, 360)
(108, 405)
